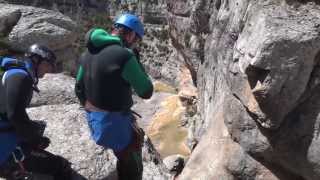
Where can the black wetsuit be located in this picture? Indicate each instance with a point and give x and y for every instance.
(16, 90)
(15, 97)
(108, 71)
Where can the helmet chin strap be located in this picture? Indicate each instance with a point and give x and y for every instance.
(125, 42)
(133, 46)
(126, 38)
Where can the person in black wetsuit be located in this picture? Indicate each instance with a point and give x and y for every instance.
(108, 71)
(22, 142)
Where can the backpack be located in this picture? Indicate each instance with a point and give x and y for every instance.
(8, 137)
(9, 66)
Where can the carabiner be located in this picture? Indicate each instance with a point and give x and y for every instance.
(16, 160)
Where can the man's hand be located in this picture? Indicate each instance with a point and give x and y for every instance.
(136, 53)
(41, 126)
(43, 143)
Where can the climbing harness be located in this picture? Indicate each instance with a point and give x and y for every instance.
(21, 173)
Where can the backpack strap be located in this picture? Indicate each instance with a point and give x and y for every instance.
(8, 64)
(5, 125)
(1, 68)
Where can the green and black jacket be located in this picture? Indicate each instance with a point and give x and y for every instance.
(107, 73)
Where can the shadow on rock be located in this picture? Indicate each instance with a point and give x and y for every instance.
(77, 176)
(112, 176)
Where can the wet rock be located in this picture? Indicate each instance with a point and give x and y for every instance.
(166, 131)
(147, 108)
(174, 163)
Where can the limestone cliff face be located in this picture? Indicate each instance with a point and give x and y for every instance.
(256, 65)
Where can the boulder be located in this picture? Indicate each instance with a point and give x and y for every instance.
(174, 163)
(26, 25)
(55, 89)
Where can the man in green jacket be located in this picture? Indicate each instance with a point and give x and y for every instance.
(108, 71)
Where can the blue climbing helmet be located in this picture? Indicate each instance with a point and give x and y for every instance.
(132, 22)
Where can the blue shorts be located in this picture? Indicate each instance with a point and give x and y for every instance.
(111, 129)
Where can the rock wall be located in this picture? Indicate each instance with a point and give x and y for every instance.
(256, 66)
